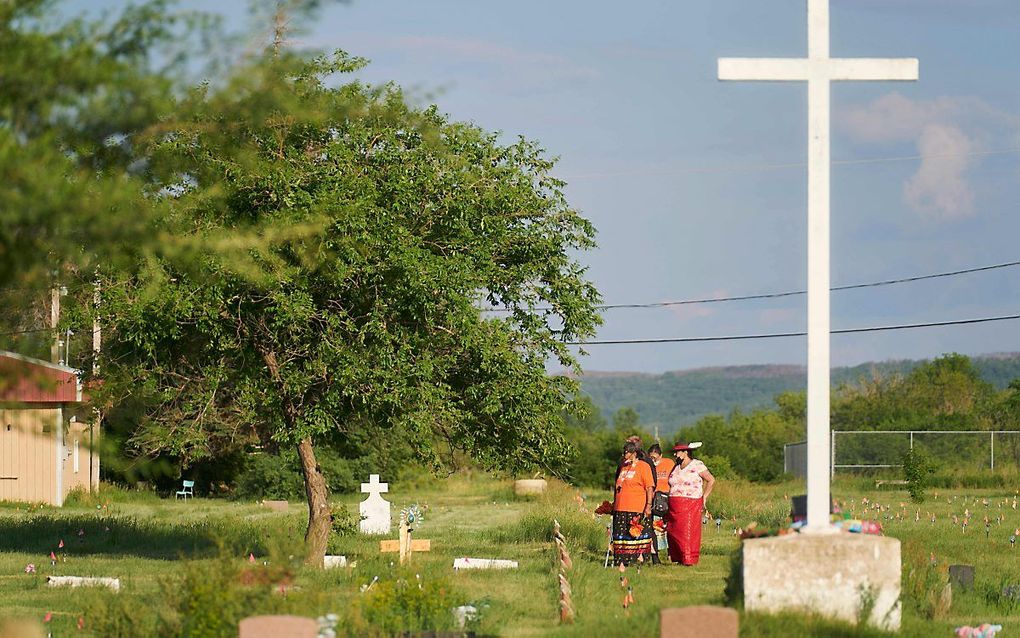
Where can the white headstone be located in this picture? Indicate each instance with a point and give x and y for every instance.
(819, 70)
(375, 510)
(330, 562)
(483, 563)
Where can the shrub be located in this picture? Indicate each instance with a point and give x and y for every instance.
(917, 470)
(344, 524)
(719, 466)
(278, 476)
(407, 604)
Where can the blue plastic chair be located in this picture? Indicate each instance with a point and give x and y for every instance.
(189, 490)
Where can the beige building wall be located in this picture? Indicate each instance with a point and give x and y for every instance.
(28, 455)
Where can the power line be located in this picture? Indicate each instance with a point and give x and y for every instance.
(781, 165)
(779, 335)
(777, 295)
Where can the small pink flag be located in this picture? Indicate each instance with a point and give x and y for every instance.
(60, 545)
(53, 557)
(251, 558)
(48, 617)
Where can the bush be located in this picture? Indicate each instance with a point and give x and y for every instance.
(344, 524)
(408, 604)
(719, 466)
(279, 476)
(917, 470)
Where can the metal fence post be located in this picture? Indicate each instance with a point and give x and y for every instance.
(993, 450)
(911, 440)
(832, 454)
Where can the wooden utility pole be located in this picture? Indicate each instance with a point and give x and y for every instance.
(54, 322)
(97, 343)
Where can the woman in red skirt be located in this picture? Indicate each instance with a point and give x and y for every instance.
(690, 483)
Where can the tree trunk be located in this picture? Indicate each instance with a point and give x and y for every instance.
(319, 515)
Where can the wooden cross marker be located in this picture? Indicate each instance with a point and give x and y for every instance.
(405, 544)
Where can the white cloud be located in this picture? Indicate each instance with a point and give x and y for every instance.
(939, 188)
(950, 134)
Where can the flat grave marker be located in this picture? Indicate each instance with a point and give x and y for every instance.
(278, 627)
(698, 621)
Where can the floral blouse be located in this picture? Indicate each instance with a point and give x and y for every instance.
(686, 481)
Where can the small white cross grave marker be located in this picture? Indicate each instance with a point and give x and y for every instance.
(375, 510)
(819, 71)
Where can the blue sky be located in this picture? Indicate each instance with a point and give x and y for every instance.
(698, 188)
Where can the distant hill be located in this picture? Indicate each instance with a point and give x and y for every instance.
(677, 398)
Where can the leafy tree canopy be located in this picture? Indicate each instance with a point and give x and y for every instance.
(382, 229)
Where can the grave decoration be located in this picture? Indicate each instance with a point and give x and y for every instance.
(985, 630)
(410, 517)
(565, 564)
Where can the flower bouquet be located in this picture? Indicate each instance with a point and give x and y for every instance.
(605, 508)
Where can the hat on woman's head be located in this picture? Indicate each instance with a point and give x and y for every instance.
(686, 446)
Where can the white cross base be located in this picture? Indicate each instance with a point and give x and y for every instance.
(819, 70)
(375, 510)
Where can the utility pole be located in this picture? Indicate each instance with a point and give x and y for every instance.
(97, 343)
(54, 322)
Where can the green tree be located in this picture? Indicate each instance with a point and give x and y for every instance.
(384, 229)
(75, 92)
(626, 420)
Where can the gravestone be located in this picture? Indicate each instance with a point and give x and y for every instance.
(375, 510)
(83, 581)
(20, 628)
(276, 506)
(332, 562)
(699, 621)
(530, 487)
(278, 627)
(483, 563)
(962, 576)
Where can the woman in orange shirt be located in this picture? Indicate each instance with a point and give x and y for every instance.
(663, 466)
(632, 507)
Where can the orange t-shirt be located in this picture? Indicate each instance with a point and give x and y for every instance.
(662, 471)
(631, 486)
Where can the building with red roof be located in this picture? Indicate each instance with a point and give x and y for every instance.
(45, 452)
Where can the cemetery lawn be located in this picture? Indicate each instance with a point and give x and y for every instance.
(151, 543)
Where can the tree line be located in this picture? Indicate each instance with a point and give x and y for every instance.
(947, 393)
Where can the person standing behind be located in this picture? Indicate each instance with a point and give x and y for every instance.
(632, 505)
(690, 483)
(663, 467)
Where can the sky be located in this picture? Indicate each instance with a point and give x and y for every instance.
(698, 187)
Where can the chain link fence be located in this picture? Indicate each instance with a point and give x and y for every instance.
(962, 449)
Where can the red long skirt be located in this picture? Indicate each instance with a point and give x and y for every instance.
(683, 529)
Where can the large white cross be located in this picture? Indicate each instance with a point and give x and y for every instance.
(818, 70)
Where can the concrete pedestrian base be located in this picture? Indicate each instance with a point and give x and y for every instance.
(852, 577)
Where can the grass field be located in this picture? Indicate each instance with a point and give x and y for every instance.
(184, 566)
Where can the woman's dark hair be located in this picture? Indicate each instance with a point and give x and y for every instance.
(655, 448)
(629, 447)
